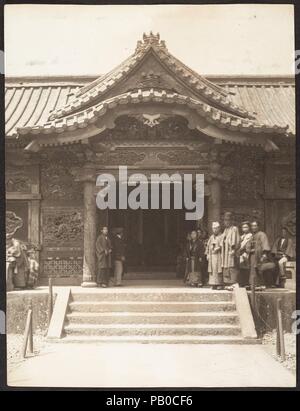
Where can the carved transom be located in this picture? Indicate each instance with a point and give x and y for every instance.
(150, 127)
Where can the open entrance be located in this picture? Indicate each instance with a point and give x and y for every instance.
(153, 238)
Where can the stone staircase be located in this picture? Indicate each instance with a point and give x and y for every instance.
(157, 315)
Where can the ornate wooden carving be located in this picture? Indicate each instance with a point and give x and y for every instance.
(13, 223)
(65, 267)
(57, 180)
(246, 169)
(150, 79)
(289, 221)
(122, 157)
(286, 182)
(149, 127)
(176, 157)
(62, 226)
(18, 180)
(245, 214)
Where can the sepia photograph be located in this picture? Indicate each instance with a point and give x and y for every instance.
(150, 191)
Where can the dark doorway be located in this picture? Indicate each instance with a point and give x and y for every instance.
(153, 236)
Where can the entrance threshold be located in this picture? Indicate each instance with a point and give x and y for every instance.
(153, 283)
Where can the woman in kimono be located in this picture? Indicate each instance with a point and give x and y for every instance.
(244, 252)
(213, 254)
(194, 255)
(230, 246)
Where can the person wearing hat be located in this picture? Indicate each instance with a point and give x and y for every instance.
(119, 247)
(230, 245)
(213, 254)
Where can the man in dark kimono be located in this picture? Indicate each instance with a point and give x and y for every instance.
(194, 256)
(230, 246)
(283, 251)
(103, 253)
(118, 256)
(259, 251)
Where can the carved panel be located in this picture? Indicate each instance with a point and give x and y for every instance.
(149, 127)
(62, 226)
(122, 157)
(57, 180)
(289, 221)
(246, 182)
(18, 179)
(17, 220)
(280, 213)
(241, 214)
(187, 157)
(280, 180)
(13, 223)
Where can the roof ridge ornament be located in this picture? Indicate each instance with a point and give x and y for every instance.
(150, 40)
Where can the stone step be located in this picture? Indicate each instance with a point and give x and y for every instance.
(152, 329)
(150, 275)
(149, 306)
(157, 339)
(123, 294)
(153, 318)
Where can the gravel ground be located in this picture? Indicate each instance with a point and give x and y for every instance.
(14, 347)
(269, 341)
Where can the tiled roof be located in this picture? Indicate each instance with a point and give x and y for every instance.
(30, 103)
(89, 115)
(45, 109)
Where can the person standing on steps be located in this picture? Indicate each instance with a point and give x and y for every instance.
(230, 245)
(244, 252)
(103, 253)
(259, 255)
(194, 254)
(119, 247)
(213, 254)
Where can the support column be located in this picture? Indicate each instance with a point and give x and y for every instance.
(214, 202)
(89, 239)
(87, 176)
(214, 178)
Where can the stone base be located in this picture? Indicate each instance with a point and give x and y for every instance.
(88, 284)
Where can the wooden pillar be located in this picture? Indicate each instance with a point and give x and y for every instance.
(214, 178)
(89, 240)
(214, 201)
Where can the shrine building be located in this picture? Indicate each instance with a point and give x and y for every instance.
(152, 114)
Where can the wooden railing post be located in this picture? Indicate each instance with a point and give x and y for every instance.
(50, 300)
(280, 346)
(28, 333)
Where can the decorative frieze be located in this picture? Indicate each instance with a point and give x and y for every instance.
(148, 126)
